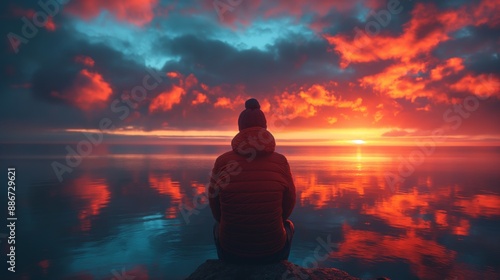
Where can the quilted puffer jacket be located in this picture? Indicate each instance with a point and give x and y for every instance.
(251, 193)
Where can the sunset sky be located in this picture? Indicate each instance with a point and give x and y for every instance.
(383, 71)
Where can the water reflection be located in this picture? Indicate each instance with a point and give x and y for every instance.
(92, 196)
(423, 254)
(165, 186)
(486, 205)
(432, 207)
(120, 213)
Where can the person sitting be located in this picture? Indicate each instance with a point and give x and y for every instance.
(252, 194)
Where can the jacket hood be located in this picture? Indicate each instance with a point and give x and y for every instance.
(253, 141)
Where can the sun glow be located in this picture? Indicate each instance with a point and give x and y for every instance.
(358, 142)
(330, 137)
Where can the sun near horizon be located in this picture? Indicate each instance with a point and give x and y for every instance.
(358, 142)
(284, 137)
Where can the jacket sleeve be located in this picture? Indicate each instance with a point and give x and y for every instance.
(213, 192)
(289, 194)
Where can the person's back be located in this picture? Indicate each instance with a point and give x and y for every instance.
(252, 194)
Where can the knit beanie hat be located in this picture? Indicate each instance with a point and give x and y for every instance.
(252, 115)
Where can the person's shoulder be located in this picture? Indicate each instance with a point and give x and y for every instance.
(225, 156)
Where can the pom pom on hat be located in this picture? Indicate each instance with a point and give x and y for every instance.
(252, 103)
(252, 115)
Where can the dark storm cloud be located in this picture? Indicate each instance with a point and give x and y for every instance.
(48, 67)
(341, 22)
(278, 65)
(480, 46)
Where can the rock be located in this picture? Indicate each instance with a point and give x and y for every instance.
(284, 270)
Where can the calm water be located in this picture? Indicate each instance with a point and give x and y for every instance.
(116, 215)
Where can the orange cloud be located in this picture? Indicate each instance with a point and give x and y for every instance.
(487, 12)
(223, 102)
(355, 105)
(200, 98)
(401, 80)
(174, 74)
(85, 60)
(166, 100)
(404, 80)
(318, 95)
(306, 102)
(50, 25)
(451, 66)
(88, 91)
(427, 28)
(137, 12)
(426, 108)
(228, 103)
(481, 85)
(378, 116)
(190, 81)
(332, 120)
(292, 106)
(265, 105)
